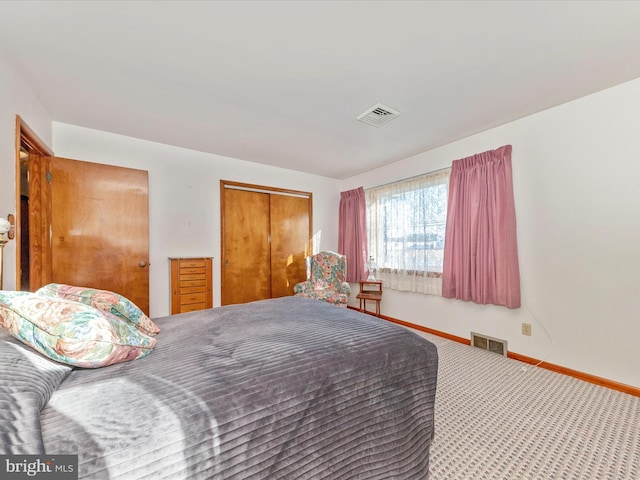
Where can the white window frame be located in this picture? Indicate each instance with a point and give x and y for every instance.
(407, 242)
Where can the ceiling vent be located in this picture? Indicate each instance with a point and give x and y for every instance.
(378, 115)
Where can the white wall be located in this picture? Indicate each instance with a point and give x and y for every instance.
(576, 171)
(184, 197)
(15, 98)
(576, 179)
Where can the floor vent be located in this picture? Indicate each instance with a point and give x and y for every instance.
(378, 115)
(494, 345)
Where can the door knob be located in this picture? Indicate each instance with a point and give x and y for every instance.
(142, 264)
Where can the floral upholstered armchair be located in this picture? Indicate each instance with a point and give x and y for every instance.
(326, 275)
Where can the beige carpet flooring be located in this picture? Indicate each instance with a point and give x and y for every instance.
(495, 420)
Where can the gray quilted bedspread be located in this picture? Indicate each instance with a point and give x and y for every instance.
(289, 388)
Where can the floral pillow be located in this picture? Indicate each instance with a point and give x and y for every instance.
(103, 300)
(70, 332)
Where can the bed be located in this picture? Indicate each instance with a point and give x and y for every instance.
(288, 388)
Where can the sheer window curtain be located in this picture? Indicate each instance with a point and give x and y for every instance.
(480, 253)
(407, 222)
(352, 233)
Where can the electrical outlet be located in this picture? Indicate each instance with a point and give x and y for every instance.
(526, 329)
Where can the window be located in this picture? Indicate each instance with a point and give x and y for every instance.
(406, 223)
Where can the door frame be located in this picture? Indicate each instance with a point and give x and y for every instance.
(39, 254)
(36, 233)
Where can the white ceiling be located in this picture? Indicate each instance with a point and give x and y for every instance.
(282, 83)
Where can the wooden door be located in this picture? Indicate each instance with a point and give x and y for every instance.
(100, 228)
(265, 236)
(290, 220)
(246, 264)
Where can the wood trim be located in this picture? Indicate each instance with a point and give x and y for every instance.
(209, 276)
(36, 146)
(262, 188)
(40, 221)
(586, 377)
(438, 333)
(26, 134)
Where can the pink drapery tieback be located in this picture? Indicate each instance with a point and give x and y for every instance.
(480, 252)
(352, 232)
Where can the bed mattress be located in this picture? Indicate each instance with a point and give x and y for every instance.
(288, 388)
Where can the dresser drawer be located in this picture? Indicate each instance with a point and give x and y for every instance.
(188, 289)
(192, 284)
(194, 263)
(193, 271)
(192, 298)
(192, 307)
(193, 278)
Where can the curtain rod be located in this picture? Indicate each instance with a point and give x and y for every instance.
(411, 178)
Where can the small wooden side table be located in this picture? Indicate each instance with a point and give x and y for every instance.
(370, 291)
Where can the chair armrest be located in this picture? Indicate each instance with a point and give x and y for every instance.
(302, 287)
(345, 288)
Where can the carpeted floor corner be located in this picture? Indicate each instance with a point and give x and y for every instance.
(497, 420)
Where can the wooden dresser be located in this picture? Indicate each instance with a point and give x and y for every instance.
(191, 284)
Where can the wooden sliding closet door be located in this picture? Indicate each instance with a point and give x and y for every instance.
(289, 243)
(246, 271)
(265, 239)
